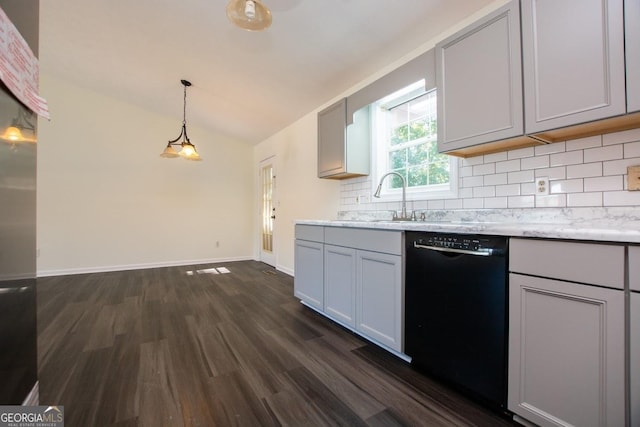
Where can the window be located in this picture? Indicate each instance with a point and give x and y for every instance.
(406, 143)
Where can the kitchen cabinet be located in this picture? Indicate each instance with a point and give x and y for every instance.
(353, 276)
(566, 339)
(479, 84)
(308, 282)
(634, 334)
(380, 304)
(340, 284)
(343, 149)
(632, 52)
(573, 62)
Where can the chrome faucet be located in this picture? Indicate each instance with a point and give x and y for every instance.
(403, 215)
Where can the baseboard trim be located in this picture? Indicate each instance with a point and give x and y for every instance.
(124, 267)
(285, 270)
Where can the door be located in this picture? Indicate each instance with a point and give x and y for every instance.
(267, 211)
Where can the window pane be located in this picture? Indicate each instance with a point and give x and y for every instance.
(394, 181)
(439, 173)
(418, 154)
(398, 159)
(418, 176)
(398, 116)
(417, 130)
(399, 135)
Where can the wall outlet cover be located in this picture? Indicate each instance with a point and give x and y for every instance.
(633, 178)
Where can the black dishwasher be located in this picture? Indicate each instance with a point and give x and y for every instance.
(456, 311)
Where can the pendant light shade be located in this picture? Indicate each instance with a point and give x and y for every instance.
(250, 15)
(187, 149)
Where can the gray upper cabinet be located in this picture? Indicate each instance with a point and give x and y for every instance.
(632, 47)
(479, 82)
(343, 150)
(573, 62)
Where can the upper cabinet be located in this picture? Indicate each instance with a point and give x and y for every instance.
(479, 82)
(573, 62)
(343, 149)
(632, 48)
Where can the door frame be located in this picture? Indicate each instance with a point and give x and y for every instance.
(266, 256)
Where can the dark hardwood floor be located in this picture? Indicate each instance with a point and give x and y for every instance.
(160, 347)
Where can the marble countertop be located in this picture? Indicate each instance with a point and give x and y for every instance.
(613, 227)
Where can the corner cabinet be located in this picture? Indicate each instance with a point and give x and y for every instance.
(566, 333)
(343, 150)
(573, 62)
(353, 276)
(479, 82)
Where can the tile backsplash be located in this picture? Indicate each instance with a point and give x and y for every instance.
(587, 172)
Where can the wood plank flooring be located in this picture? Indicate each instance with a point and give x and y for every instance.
(160, 347)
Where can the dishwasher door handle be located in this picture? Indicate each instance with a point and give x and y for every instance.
(481, 252)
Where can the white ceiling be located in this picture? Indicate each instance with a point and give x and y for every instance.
(246, 85)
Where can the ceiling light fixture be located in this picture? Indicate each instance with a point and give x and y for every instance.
(187, 150)
(250, 15)
(21, 128)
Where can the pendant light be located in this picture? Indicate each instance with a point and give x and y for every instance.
(250, 15)
(187, 149)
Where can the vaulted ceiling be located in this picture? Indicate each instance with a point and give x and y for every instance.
(247, 85)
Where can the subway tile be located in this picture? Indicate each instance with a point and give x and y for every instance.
(472, 181)
(453, 204)
(519, 177)
(489, 191)
(472, 161)
(556, 147)
(497, 179)
(567, 186)
(610, 152)
(508, 190)
(632, 149)
(568, 158)
(495, 157)
(606, 183)
(582, 143)
(618, 167)
(537, 162)
(466, 171)
(521, 202)
(584, 199)
(621, 137)
(551, 201)
(559, 172)
(585, 170)
(435, 204)
(495, 203)
(520, 153)
(622, 198)
(508, 166)
(465, 193)
(485, 169)
(473, 203)
(527, 188)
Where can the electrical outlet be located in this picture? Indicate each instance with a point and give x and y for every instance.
(542, 186)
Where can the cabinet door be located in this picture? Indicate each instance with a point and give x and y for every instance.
(308, 284)
(340, 284)
(479, 82)
(332, 132)
(573, 62)
(379, 292)
(566, 353)
(632, 51)
(635, 358)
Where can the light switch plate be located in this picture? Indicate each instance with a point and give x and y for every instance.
(633, 178)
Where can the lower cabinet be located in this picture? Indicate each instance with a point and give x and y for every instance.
(379, 292)
(340, 284)
(635, 358)
(566, 339)
(353, 276)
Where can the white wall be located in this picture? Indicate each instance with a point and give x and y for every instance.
(299, 193)
(107, 201)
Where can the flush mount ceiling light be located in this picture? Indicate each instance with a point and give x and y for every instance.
(187, 149)
(251, 15)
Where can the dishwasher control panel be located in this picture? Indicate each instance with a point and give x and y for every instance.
(458, 243)
(453, 242)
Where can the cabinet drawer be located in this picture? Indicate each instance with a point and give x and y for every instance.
(371, 240)
(314, 233)
(634, 268)
(577, 262)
